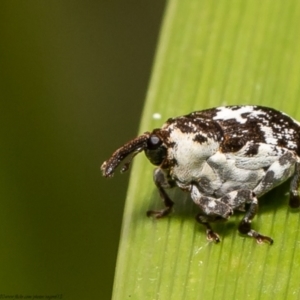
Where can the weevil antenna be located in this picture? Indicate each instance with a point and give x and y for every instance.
(133, 147)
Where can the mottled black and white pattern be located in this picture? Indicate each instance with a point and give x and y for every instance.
(225, 157)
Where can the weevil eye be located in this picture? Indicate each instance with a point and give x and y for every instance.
(156, 151)
(153, 142)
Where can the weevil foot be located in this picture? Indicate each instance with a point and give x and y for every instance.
(159, 213)
(294, 200)
(245, 228)
(263, 239)
(212, 236)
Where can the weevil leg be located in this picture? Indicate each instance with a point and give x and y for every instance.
(222, 208)
(162, 181)
(212, 210)
(238, 198)
(210, 206)
(277, 173)
(295, 183)
(210, 234)
(245, 224)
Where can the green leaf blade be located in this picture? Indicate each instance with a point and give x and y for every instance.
(212, 53)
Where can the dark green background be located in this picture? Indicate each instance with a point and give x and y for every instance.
(74, 76)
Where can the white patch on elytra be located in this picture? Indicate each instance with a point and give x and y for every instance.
(270, 138)
(266, 155)
(227, 113)
(291, 145)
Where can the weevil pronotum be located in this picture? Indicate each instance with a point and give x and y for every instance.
(225, 157)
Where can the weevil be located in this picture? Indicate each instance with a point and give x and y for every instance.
(224, 157)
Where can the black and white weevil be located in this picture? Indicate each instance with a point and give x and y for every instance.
(225, 157)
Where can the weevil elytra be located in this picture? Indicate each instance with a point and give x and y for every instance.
(225, 157)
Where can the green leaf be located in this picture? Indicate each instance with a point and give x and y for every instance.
(212, 53)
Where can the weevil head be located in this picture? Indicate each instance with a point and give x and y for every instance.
(151, 143)
(156, 151)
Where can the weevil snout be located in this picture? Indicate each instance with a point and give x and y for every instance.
(151, 143)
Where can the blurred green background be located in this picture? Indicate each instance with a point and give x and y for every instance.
(74, 75)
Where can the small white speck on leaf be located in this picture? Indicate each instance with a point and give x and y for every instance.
(156, 116)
